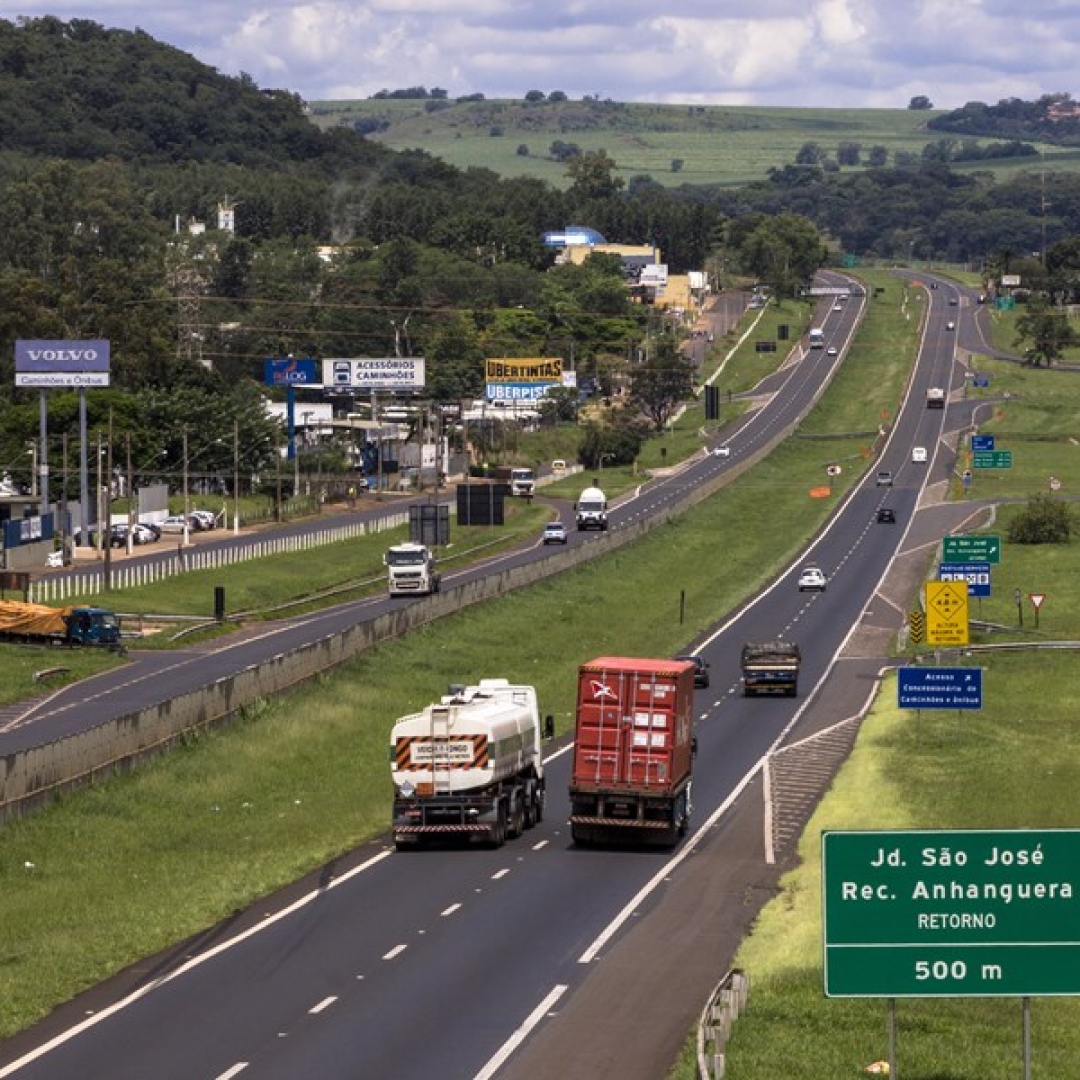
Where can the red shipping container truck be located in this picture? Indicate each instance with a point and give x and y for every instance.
(633, 751)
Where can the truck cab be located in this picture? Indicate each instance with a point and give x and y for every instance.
(93, 626)
(591, 510)
(411, 570)
(522, 482)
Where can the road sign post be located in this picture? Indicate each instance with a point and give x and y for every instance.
(976, 574)
(973, 547)
(939, 688)
(947, 613)
(992, 459)
(1037, 599)
(951, 914)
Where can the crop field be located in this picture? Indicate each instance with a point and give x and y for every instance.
(727, 146)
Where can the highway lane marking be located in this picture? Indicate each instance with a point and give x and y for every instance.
(396, 951)
(189, 965)
(500, 874)
(324, 1004)
(238, 1068)
(539, 844)
(450, 910)
(502, 1055)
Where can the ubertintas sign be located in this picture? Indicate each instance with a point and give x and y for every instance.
(61, 363)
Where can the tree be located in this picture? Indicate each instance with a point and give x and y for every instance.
(784, 251)
(810, 153)
(920, 102)
(848, 153)
(661, 383)
(592, 175)
(534, 96)
(1043, 333)
(1045, 520)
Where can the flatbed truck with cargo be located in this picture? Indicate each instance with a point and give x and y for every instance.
(771, 667)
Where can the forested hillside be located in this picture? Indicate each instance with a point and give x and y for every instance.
(113, 144)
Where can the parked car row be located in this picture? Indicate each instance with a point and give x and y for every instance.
(196, 521)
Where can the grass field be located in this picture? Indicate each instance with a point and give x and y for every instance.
(137, 863)
(724, 145)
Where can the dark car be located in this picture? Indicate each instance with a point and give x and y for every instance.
(886, 515)
(701, 669)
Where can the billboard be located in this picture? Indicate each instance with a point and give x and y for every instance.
(290, 371)
(374, 373)
(61, 363)
(522, 378)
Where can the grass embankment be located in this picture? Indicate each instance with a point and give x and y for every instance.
(120, 871)
(1013, 764)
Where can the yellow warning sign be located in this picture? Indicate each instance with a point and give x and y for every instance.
(916, 627)
(947, 613)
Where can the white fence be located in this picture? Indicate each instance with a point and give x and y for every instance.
(135, 572)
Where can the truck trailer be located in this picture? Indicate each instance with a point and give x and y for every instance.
(633, 751)
(469, 767)
(411, 570)
(38, 623)
(770, 667)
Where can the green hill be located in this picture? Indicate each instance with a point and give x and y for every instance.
(673, 144)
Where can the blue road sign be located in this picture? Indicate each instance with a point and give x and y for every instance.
(981, 380)
(976, 574)
(939, 687)
(982, 442)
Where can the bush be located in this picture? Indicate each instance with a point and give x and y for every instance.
(1046, 520)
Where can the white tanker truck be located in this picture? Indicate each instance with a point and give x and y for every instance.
(469, 767)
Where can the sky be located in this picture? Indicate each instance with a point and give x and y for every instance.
(818, 53)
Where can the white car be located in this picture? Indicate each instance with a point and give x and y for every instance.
(918, 455)
(832, 351)
(721, 451)
(554, 533)
(950, 326)
(175, 524)
(812, 578)
(203, 519)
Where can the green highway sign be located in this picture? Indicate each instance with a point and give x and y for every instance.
(992, 459)
(975, 913)
(972, 548)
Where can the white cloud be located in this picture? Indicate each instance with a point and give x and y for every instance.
(859, 53)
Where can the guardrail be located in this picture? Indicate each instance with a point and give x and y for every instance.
(138, 572)
(726, 1003)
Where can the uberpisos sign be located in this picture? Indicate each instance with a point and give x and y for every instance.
(61, 363)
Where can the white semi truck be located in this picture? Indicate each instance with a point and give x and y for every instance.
(411, 570)
(591, 510)
(469, 767)
(522, 482)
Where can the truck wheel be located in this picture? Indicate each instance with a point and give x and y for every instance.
(517, 820)
(498, 830)
(538, 807)
(530, 807)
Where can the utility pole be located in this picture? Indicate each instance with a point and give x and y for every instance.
(236, 478)
(130, 495)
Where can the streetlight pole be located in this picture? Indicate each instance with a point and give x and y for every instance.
(236, 477)
(187, 498)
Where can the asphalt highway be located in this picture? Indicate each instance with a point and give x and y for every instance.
(536, 959)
